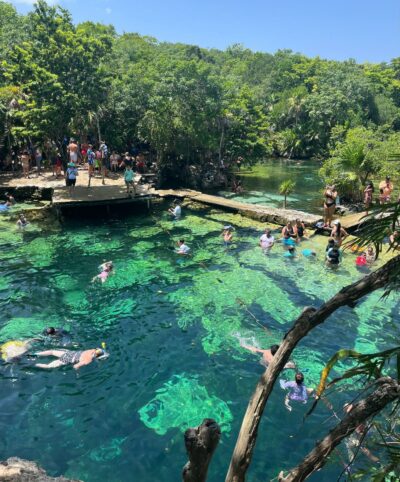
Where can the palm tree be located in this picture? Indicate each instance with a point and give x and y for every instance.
(285, 189)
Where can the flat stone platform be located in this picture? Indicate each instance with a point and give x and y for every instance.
(255, 211)
(99, 195)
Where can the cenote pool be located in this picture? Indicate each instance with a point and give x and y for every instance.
(173, 328)
(261, 184)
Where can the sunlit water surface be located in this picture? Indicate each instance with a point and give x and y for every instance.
(261, 184)
(173, 328)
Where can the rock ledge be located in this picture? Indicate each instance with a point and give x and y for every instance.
(19, 470)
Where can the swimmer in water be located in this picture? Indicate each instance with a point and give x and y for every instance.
(268, 355)
(297, 390)
(67, 357)
(227, 235)
(106, 269)
(22, 222)
(58, 335)
(176, 211)
(290, 253)
(183, 249)
(267, 241)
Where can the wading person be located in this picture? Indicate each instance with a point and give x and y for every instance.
(338, 234)
(176, 211)
(67, 357)
(330, 195)
(267, 241)
(183, 249)
(227, 236)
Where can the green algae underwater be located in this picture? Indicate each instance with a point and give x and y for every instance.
(174, 328)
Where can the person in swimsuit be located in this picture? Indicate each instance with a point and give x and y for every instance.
(386, 187)
(300, 229)
(183, 249)
(72, 150)
(289, 231)
(67, 357)
(268, 355)
(106, 268)
(297, 390)
(329, 204)
(338, 234)
(25, 160)
(227, 235)
(368, 192)
(22, 222)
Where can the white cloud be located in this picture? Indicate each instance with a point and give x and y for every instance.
(108, 10)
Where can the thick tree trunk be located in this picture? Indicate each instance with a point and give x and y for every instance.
(387, 391)
(200, 443)
(309, 319)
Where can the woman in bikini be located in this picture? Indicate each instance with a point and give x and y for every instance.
(329, 204)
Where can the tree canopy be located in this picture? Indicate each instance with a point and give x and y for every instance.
(185, 104)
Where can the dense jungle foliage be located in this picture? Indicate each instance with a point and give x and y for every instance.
(188, 105)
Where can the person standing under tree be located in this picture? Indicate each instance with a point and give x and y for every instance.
(104, 160)
(329, 205)
(72, 150)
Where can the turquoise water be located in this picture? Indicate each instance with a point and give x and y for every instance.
(261, 184)
(173, 328)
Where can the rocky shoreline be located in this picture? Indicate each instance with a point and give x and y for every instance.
(15, 469)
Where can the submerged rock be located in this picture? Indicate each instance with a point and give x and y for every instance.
(19, 470)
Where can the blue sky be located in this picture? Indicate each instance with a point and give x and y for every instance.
(367, 30)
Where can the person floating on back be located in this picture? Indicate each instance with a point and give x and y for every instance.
(298, 392)
(67, 357)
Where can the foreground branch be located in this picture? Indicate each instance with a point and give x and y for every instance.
(387, 392)
(200, 443)
(309, 319)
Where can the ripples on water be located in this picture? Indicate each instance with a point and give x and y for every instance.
(173, 328)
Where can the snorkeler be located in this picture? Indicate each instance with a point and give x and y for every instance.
(268, 355)
(22, 221)
(182, 247)
(227, 235)
(67, 357)
(297, 390)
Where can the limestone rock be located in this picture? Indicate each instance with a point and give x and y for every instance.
(19, 470)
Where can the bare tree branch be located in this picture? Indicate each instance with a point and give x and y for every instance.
(309, 319)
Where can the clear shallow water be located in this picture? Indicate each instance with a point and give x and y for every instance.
(261, 184)
(173, 328)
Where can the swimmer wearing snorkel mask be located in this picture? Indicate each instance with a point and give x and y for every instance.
(76, 358)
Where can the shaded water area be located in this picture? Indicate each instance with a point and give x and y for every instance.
(261, 184)
(173, 328)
